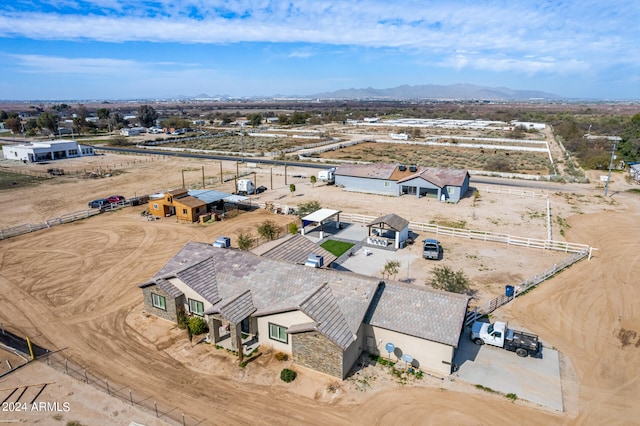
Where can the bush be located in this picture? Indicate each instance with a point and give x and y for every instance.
(293, 228)
(198, 325)
(183, 320)
(444, 278)
(287, 375)
(281, 356)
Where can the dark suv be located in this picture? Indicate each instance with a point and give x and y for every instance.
(99, 203)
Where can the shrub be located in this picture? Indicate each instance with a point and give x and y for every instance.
(198, 325)
(183, 320)
(281, 356)
(512, 396)
(293, 228)
(444, 278)
(287, 375)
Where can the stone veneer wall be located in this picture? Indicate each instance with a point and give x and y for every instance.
(171, 313)
(315, 351)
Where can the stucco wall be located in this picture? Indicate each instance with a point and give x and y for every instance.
(353, 352)
(315, 351)
(372, 186)
(173, 305)
(427, 355)
(286, 319)
(189, 293)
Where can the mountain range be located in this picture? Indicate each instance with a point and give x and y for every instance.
(440, 92)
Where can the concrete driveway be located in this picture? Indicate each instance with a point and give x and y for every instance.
(533, 379)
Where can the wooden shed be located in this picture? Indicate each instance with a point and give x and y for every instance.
(179, 203)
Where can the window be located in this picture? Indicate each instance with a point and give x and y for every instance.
(184, 211)
(451, 190)
(278, 332)
(158, 301)
(196, 307)
(387, 184)
(155, 206)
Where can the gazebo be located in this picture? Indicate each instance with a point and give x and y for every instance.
(319, 217)
(382, 226)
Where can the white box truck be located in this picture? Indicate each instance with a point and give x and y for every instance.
(245, 186)
(327, 175)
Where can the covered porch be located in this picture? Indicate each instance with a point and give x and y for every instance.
(388, 230)
(232, 326)
(319, 218)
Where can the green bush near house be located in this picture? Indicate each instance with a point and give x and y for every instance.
(337, 248)
(198, 325)
(287, 375)
(183, 320)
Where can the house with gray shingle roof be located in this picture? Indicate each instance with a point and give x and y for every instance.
(325, 319)
(397, 179)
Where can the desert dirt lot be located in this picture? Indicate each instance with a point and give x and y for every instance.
(74, 287)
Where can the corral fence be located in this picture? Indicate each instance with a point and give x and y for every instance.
(69, 217)
(523, 287)
(146, 402)
(480, 235)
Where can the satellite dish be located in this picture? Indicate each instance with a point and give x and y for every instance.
(390, 347)
(407, 358)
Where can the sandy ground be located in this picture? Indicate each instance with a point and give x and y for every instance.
(75, 287)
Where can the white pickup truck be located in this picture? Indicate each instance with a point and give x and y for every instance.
(498, 334)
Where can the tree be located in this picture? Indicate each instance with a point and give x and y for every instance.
(299, 117)
(629, 147)
(283, 120)
(103, 113)
(255, 119)
(13, 124)
(147, 115)
(31, 126)
(392, 267)
(292, 188)
(82, 112)
(48, 120)
(313, 180)
(293, 228)
(245, 242)
(268, 230)
(3, 115)
(307, 208)
(444, 278)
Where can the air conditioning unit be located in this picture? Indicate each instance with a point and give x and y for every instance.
(314, 261)
(402, 167)
(413, 169)
(222, 242)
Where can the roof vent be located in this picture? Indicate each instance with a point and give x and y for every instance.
(315, 261)
(413, 168)
(402, 167)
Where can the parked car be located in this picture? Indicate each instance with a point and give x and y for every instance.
(261, 189)
(498, 334)
(99, 203)
(431, 249)
(116, 199)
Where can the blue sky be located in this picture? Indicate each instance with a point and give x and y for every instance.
(119, 49)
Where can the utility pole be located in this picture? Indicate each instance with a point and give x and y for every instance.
(613, 153)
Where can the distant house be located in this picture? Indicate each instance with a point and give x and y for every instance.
(179, 203)
(34, 152)
(397, 179)
(132, 131)
(324, 319)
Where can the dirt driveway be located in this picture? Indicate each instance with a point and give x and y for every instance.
(75, 287)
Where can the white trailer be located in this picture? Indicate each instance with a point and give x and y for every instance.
(245, 186)
(327, 175)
